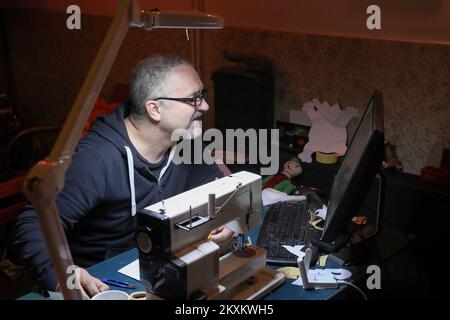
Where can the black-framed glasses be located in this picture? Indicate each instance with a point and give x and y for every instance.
(195, 101)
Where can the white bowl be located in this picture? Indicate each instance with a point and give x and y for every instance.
(111, 295)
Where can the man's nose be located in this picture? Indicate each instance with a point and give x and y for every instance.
(204, 106)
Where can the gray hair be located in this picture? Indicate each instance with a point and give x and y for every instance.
(148, 80)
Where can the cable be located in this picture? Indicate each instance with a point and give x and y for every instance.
(376, 254)
(393, 225)
(354, 286)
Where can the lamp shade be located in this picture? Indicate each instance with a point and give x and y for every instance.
(179, 20)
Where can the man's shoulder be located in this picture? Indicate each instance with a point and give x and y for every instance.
(103, 151)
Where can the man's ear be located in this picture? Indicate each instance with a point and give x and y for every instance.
(153, 110)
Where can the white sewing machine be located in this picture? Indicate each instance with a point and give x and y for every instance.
(177, 261)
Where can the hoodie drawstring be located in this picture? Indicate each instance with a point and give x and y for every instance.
(131, 175)
(131, 180)
(171, 155)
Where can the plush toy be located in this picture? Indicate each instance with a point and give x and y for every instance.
(282, 181)
(328, 132)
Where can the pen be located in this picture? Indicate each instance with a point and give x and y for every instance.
(118, 283)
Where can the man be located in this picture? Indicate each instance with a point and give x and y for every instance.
(121, 166)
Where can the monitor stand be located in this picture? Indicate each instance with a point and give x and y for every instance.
(353, 254)
(331, 247)
(341, 250)
(314, 280)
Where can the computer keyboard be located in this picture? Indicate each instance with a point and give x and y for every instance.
(285, 223)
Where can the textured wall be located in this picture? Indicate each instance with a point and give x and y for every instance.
(414, 78)
(49, 63)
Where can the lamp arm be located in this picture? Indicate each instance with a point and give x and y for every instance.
(46, 179)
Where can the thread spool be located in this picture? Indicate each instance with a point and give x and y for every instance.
(326, 158)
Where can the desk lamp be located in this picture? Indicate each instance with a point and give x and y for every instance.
(46, 179)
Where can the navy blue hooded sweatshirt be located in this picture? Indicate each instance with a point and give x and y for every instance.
(95, 204)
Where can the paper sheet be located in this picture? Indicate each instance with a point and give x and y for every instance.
(271, 196)
(55, 295)
(132, 270)
(322, 213)
(324, 275)
(290, 272)
(315, 276)
(323, 260)
(340, 274)
(296, 250)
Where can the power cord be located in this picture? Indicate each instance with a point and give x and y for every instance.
(354, 286)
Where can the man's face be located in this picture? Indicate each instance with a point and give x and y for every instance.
(183, 82)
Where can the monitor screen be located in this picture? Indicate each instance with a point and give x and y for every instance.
(356, 174)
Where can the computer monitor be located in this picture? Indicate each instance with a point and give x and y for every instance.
(355, 176)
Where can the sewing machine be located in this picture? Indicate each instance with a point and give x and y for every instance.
(176, 259)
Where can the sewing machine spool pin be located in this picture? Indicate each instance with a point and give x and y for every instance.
(212, 206)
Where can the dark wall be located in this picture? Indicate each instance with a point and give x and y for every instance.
(49, 63)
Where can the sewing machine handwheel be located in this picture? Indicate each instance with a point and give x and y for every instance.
(144, 240)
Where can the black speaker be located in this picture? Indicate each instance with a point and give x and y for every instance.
(243, 99)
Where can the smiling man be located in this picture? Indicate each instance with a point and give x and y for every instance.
(123, 165)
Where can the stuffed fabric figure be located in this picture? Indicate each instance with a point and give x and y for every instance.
(282, 181)
(328, 131)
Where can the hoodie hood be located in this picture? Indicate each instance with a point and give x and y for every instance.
(112, 128)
